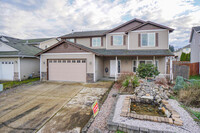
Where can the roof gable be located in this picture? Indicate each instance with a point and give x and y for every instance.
(126, 26)
(4, 47)
(65, 48)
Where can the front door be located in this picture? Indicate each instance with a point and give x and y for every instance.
(113, 67)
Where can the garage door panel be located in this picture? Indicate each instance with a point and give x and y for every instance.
(67, 71)
(6, 70)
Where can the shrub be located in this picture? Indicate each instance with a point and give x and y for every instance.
(125, 83)
(190, 94)
(147, 70)
(135, 82)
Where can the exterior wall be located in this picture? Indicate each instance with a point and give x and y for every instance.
(4, 47)
(88, 56)
(162, 40)
(98, 68)
(195, 48)
(16, 70)
(187, 50)
(28, 67)
(48, 43)
(108, 42)
(86, 42)
(127, 63)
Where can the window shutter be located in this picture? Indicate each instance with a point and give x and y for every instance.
(124, 39)
(90, 41)
(139, 40)
(156, 39)
(111, 40)
(102, 41)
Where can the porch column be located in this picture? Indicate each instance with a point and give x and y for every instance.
(137, 62)
(116, 70)
(171, 71)
(154, 60)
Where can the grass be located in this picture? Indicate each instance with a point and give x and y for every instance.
(119, 131)
(197, 77)
(11, 84)
(197, 114)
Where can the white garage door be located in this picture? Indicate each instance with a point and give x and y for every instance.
(6, 70)
(67, 70)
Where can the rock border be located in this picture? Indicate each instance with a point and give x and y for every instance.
(175, 117)
(113, 126)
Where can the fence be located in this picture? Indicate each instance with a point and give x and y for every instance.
(183, 68)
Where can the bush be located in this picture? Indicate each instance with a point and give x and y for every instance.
(147, 70)
(135, 82)
(190, 94)
(125, 83)
(124, 77)
(185, 57)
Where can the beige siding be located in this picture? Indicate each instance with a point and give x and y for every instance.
(48, 43)
(29, 66)
(108, 42)
(127, 64)
(162, 40)
(86, 42)
(98, 68)
(87, 56)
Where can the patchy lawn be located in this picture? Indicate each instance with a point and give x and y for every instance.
(11, 84)
(195, 77)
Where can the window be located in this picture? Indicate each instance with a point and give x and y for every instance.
(134, 65)
(78, 61)
(71, 40)
(119, 64)
(73, 61)
(68, 61)
(64, 61)
(148, 39)
(142, 62)
(96, 42)
(156, 63)
(83, 61)
(148, 62)
(59, 61)
(117, 40)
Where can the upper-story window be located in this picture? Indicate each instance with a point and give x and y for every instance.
(118, 40)
(71, 40)
(96, 41)
(148, 39)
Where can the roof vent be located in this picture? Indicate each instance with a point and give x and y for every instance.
(4, 39)
(72, 31)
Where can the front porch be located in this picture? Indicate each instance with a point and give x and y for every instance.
(116, 65)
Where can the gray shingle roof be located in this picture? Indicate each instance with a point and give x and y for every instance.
(197, 29)
(24, 50)
(85, 33)
(125, 52)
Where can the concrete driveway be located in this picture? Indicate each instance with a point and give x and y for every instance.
(29, 108)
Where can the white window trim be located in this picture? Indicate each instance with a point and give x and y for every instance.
(96, 45)
(148, 40)
(122, 40)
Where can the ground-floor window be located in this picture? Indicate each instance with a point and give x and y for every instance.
(119, 64)
(134, 65)
(144, 62)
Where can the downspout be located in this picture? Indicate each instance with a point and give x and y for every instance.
(40, 68)
(19, 72)
(116, 71)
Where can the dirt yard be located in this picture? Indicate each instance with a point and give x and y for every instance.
(49, 107)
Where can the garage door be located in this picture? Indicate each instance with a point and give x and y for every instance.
(6, 70)
(67, 70)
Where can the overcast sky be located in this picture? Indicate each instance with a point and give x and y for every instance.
(50, 18)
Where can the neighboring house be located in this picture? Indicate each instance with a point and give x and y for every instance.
(17, 60)
(195, 45)
(178, 52)
(42, 43)
(90, 55)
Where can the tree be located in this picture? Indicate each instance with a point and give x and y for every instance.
(183, 57)
(171, 47)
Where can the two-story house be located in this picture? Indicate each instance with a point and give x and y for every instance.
(90, 55)
(195, 47)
